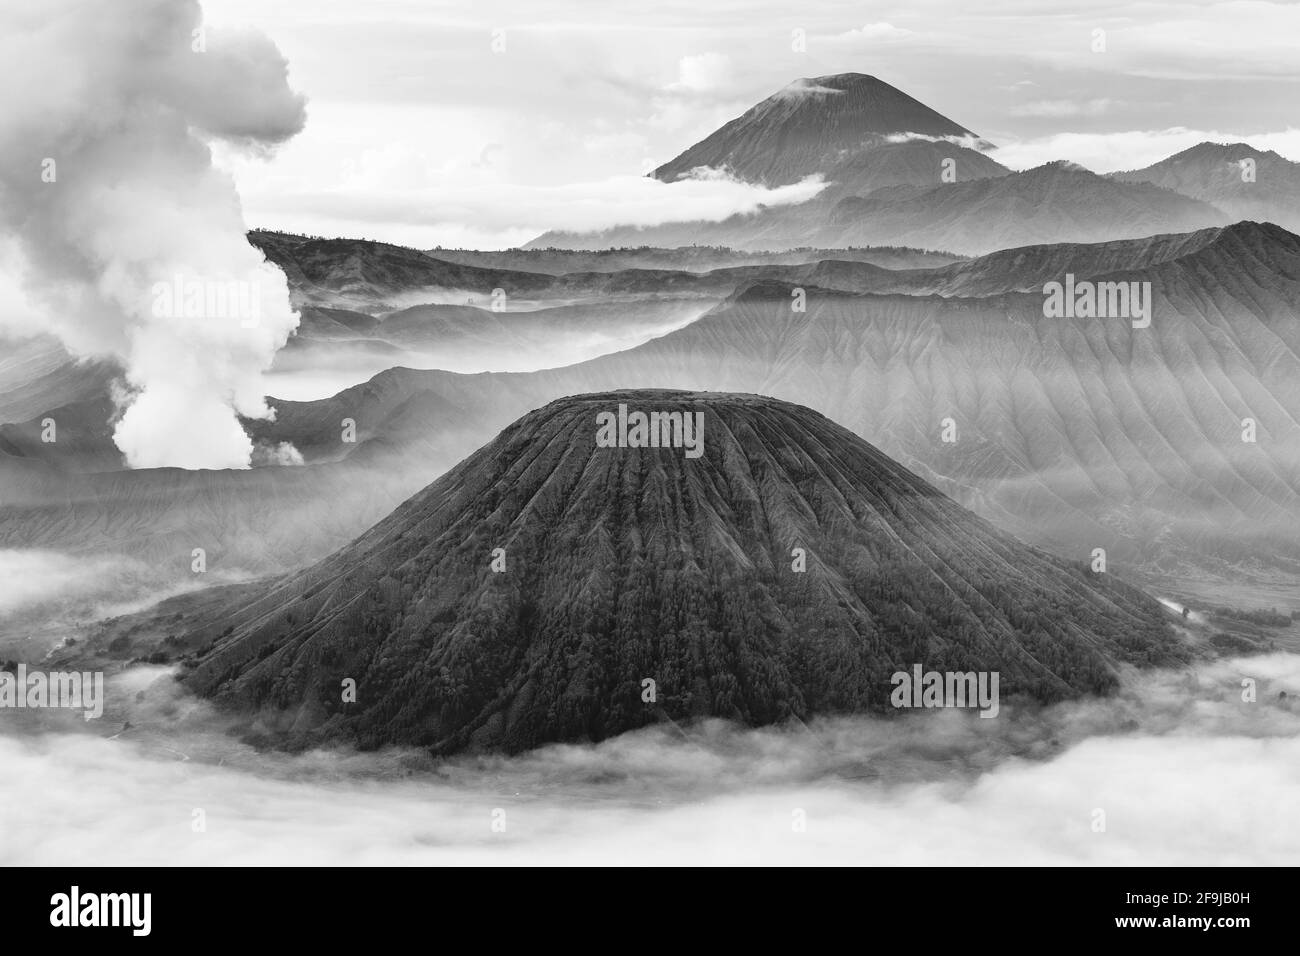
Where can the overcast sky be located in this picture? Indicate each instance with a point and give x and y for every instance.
(419, 132)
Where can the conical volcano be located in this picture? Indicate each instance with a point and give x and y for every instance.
(613, 559)
(813, 125)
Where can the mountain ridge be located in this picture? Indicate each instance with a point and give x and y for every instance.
(1246, 183)
(811, 126)
(1157, 491)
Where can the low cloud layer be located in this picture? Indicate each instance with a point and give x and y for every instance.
(578, 94)
(119, 235)
(503, 214)
(34, 578)
(47, 595)
(1184, 770)
(1134, 149)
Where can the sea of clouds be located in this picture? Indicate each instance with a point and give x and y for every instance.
(1185, 770)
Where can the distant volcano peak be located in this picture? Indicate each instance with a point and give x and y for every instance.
(813, 125)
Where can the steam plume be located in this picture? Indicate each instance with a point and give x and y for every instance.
(110, 206)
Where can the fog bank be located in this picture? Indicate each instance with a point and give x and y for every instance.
(1185, 771)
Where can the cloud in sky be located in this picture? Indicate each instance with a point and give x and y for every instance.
(877, 32)
(1212, 42)
(580, 95)
(702, 73)
(515, 213)
(1062, 108)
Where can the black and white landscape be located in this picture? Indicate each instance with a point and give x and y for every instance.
(561, 433)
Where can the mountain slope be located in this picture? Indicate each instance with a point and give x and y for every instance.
(38, 374)
(911, 162)
(900, 173)
(1054, 203)
(1246, 183)
(1028, 268)
(809, 127)
(1082, 432)
(630, 563)
(683, 258)
(364, 275)
(1073, 433)
(465, 338)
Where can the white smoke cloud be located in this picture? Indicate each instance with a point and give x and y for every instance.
(109, 202)
(283, 454)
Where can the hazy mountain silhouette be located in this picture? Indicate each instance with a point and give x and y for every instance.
(471, 339)
(897, 173)
(38, 374)
(1072, 430)
(686, 258)
(1075, 433)
(359, 274)
(1246, 183)
(1054, 203)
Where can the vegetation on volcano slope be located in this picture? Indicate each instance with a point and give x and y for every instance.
(627, 564)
